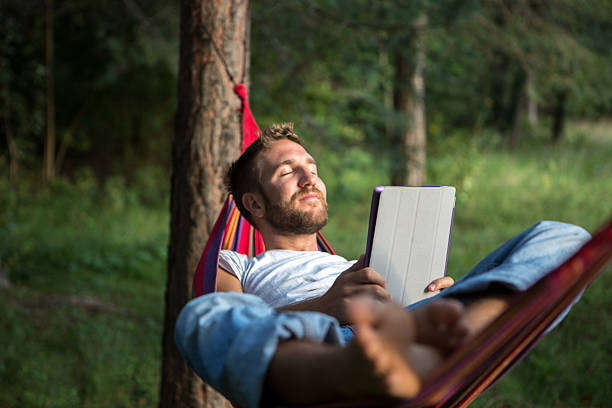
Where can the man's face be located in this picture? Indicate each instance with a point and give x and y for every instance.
(294, 196)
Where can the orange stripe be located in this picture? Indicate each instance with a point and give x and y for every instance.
(230, 230)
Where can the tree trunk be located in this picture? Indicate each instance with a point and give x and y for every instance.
(409, 102)
(498, 69)
(383, 60)
(532, 103)
(559, 116)
(214, 34)
(49, 158)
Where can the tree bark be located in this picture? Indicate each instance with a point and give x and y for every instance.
(214, 34)
(409, 103)
(49, 157)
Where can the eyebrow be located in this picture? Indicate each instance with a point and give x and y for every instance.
(310, 160)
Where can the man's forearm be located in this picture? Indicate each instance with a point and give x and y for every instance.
(321, 304)
(308, 305)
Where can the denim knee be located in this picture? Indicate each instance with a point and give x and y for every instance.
(568, 230)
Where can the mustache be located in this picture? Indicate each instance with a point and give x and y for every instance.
(307, 191)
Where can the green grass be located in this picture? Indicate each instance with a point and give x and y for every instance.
(108, 242)
(105, 243)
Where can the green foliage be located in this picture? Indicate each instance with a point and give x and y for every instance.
(90, 241)
(115, 79)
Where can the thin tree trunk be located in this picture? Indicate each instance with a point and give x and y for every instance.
(401, 98)
(559, 116)
(517, 122)
(207, 138)
(416, 139)
(49, 158)
(409, 101)
(532, 104)
(383, 60)
(498, 72)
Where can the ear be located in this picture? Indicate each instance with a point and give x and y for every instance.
(253, 202)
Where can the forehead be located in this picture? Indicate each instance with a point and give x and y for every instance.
(281, 152)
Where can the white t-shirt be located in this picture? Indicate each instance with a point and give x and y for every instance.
(282, 277)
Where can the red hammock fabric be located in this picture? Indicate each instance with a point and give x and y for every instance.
(250, 130)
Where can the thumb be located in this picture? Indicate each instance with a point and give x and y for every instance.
(360, 264)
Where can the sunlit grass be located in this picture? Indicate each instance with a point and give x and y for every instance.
(87, 243)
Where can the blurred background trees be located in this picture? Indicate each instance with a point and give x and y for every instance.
(113, 72)
(86, 84)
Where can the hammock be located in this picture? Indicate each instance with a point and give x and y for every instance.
(477, 365)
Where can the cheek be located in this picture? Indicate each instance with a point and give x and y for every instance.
(281, 192)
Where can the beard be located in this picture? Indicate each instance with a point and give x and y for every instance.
(287, 217)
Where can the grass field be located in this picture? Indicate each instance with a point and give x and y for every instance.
(81, 322)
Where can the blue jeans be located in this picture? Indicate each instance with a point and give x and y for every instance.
(230, 338)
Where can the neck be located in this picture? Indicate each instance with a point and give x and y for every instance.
(295, 242)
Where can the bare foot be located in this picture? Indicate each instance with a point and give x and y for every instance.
(442, 324)
(394, 351)
(404, 347)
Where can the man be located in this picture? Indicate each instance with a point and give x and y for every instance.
(275, 335)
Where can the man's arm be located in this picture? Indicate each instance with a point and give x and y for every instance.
(226, 282)
(357, 280)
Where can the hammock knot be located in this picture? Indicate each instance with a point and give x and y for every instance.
(250, 130)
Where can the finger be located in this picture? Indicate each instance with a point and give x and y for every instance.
(357, 265)
(373, 290)
(369, 276)
(440, 284)
(365, 276)
(360, 264)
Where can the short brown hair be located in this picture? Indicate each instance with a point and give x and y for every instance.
(244, 176)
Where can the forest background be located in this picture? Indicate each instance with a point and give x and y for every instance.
(518, 106)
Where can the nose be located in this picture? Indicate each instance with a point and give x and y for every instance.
(307, 178)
